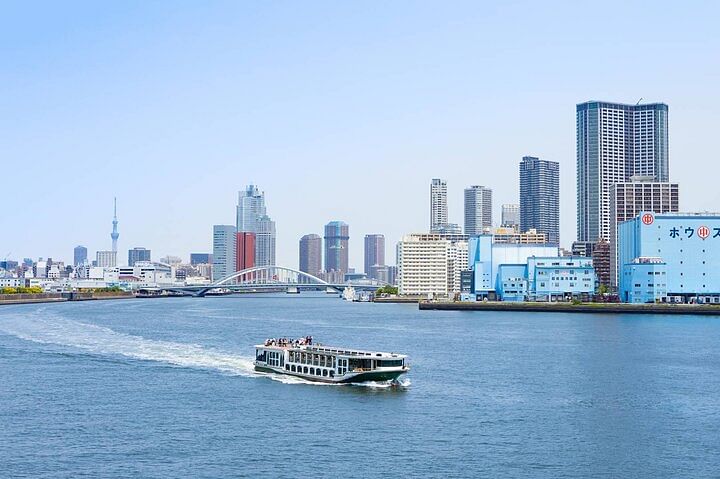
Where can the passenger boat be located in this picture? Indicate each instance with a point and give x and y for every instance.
(328, 364)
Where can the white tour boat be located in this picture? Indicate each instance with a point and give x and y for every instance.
(329, 364)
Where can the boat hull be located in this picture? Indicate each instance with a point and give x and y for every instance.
(361, 377)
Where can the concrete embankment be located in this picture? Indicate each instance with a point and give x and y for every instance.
(397, 299)
(61, 297)
(604, 308)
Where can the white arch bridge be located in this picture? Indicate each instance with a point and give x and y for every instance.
(272, 278)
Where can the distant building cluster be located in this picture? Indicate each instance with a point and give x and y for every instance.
(633, 242)
(104, 271)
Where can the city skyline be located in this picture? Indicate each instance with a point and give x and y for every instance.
(228, 122)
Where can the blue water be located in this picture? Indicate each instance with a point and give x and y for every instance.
(164, 388)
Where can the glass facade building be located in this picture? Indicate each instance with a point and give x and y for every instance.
(337, 238)
(540, 197)
(138, 254)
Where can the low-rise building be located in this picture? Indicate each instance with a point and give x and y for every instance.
(644, 281)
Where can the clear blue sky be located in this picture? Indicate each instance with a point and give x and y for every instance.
(338, 110)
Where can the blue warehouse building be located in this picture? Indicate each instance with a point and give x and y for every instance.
(518, 272)
(669, 257)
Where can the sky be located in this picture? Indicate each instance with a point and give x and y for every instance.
(337, 110)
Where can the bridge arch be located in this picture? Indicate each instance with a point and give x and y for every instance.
(264, 274)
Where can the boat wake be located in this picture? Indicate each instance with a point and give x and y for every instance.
(98, 340)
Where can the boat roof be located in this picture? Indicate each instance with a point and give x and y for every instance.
(322, 348)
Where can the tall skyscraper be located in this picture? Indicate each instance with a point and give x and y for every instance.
(478, 210)
(540, 197)
(438, 204)
(223, 251)
(311, 254)
(138, 254)
(250, 208)
(252, 218)
(244, 250)
(337, 237)
(114, 235)
(79, 255)
(614, 142)
(374, 254)
(511, 216)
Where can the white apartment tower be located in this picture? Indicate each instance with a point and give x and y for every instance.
(614, 143)
(430, 264)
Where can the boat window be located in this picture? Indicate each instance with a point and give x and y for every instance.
(391, 363)
(292, 368)
(316, 359)
(305, 369)
(317, 372)
(287, 367)
(332, 374)
(324, 372)
(312, 370)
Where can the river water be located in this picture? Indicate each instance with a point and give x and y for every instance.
(165, 388)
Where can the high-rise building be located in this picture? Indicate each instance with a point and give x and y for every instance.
(250, 207)
(615, 142)
(114, 235)
(106, 259)
(540, 197)
(438, 204)
(337, 237)
(265, 239)
(511, 216)
(200, 258)
(478, 210)
(629, 199)
(138, 254)
(223, 251)
(252, 217)
(79, 255)
(374, 254)
(244, 250)
(311, 254)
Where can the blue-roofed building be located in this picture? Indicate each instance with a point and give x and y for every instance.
(687, 244)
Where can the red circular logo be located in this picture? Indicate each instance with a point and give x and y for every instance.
(648, 219)
(703, 232)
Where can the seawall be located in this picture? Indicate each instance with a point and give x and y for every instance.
(604, 308)
(61, 297)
